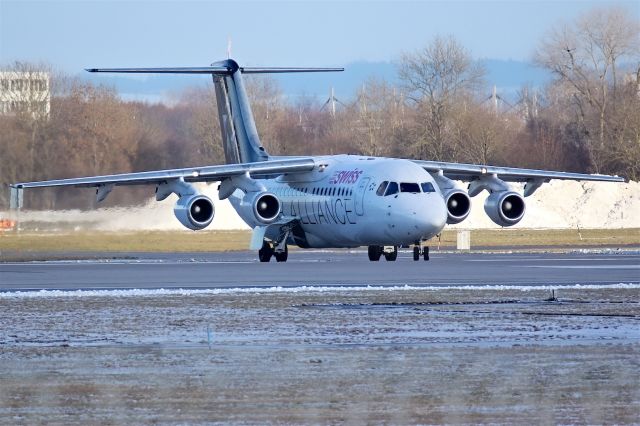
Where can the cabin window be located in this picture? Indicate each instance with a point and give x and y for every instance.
(412, 187)
(428, 187)
(381, 188)
(392, 189)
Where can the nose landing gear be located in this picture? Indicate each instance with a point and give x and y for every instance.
(419, 250)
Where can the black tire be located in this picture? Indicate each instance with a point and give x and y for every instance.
(265, 253)
(283, 256)
(374, 253)
(416, 253)
(391, 257)
(425, 253)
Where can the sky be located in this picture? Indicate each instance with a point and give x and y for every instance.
(72, 35)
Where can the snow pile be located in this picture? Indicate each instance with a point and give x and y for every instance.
(558, 204)
(570, 204)
(152, 216)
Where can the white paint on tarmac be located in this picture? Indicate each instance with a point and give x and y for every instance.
(582, 266)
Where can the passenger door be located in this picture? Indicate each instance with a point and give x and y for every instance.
(359, 195)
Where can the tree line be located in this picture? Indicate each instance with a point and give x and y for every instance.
(587, 119)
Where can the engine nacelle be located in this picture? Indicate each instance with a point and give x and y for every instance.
(505, 208)
(194, 211)
(264, 207)
(458, 205)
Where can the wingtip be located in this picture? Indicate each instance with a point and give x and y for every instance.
(91, 69)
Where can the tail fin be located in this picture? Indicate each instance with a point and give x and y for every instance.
(239, 134)
(240, 138)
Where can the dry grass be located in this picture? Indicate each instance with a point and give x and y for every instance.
(208, 241)
(545, 238)
(156, 241)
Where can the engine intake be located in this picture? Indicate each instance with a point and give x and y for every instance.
(458, 205)
(194, 211)
(505, 208)
(266, 207)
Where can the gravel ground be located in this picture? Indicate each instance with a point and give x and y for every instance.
(304, 356)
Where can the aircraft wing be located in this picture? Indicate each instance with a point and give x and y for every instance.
(469, 172)
(193, 174)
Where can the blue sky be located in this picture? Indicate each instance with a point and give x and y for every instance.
(72, 35)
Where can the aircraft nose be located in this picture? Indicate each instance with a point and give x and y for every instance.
(432, 216)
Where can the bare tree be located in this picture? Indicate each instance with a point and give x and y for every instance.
(268, 106)
(434, 78)
(586, 56)
(379, 115)
(202, 127)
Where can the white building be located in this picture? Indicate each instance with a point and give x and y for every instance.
(25, 91)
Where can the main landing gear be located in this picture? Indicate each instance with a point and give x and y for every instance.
(280, 253)
(390, 253)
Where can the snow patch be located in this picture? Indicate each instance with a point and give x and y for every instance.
(34, 294)
(569, 204)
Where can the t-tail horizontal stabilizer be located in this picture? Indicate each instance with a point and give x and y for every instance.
(239, 134)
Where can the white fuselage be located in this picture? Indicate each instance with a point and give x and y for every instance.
(342, 205)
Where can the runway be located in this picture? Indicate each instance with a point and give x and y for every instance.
(322, 268)
(463, 338)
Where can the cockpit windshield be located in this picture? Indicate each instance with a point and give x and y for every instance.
(387, 188)
(392, 189)
(427, 187)
(410, 187)
(382, 188)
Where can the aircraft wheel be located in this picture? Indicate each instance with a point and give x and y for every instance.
(416, 253)
(265, 253)
(391, 257)
(282, 256)
(374, 253)
(425, 253)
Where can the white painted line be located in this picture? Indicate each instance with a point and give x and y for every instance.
(582, 266)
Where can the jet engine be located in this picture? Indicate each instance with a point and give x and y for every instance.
(458, 205)
(264, 207)
(505, 208)
(194, 211)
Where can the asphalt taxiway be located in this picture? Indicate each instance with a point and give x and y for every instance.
(322, 268)
(464, 338)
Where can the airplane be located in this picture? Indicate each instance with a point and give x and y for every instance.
(330, 201)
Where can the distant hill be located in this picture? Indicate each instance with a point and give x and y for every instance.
(507, 75)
